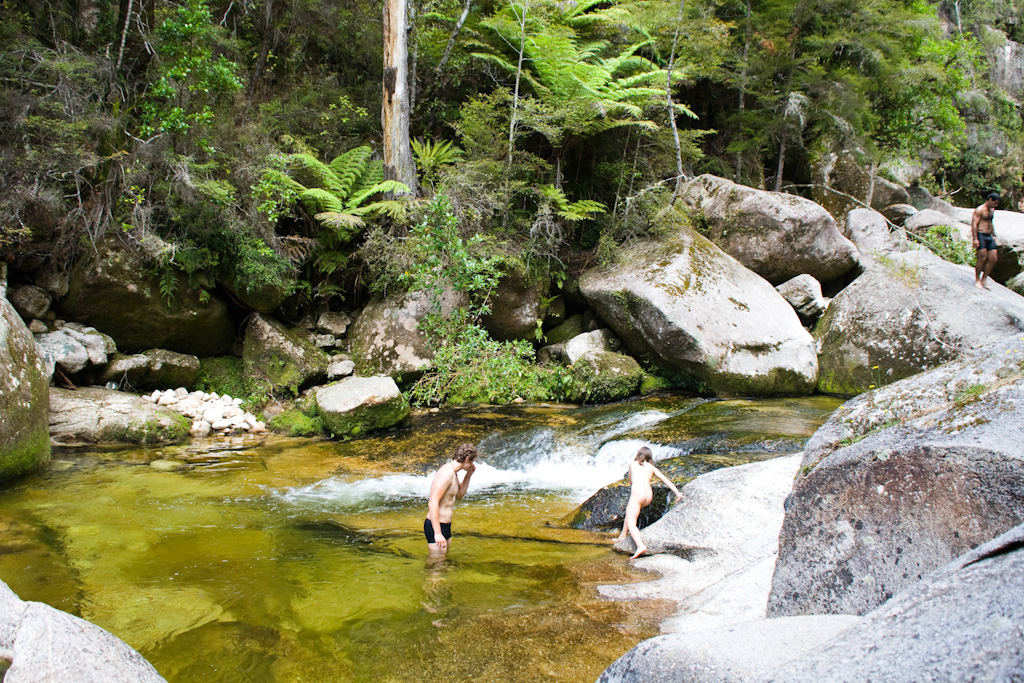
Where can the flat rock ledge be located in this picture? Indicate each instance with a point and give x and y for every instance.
(716, 549)
(45, 645)
(92, 415)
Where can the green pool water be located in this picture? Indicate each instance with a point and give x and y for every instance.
(299, 560)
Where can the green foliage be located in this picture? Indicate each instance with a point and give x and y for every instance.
(945, 243)
(188, 78)
(431, 156)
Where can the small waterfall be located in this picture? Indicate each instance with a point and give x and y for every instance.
(574, 461)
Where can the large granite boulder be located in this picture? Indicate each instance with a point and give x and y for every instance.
(24, 395)
(842, 183)
(687, 306)
(169, 369)
(386, 340)
(604, 376)
(776, 235)
(356, 405)
(923, 221)
(909, 312)
(901, 480)
(44, 645)
(115, 291)
(515, 310)
(60, 350)
(716, 548)
(1006, 60)
(280, 359)
(964, 622)
(100, 416)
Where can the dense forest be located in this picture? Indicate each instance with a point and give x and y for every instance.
(241, 140)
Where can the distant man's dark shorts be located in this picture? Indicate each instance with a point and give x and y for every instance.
(986, 241)
(428, 530)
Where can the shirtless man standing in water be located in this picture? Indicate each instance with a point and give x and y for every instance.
(641, 470)
(444, 491)
(983, 236)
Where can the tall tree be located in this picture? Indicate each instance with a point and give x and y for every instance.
(395, 105)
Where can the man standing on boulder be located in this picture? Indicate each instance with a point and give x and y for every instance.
(445, 489)
(983, 236)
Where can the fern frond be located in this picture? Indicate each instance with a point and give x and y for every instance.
(383, 187)
(349, 167)
(317, 199)
(371, 175)
(339, 220)
(312, 172)
(392, 208)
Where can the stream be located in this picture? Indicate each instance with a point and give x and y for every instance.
(286, 559)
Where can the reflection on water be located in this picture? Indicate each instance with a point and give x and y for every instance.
(296, 559)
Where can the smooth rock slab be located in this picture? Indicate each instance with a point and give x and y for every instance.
(101, 416)
(720, 539)
(964, 622)
(733, 654)
(900, 481)
(46, 645)
(356, 405)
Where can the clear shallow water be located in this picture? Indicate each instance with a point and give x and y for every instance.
(298, 560)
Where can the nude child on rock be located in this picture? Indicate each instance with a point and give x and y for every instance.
(641, 471)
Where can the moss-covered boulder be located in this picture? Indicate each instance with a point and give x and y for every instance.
(515, 310)
(386, 340)
(24, 396)
(907, 313)
(222, 375)
(356, 405)
(571, 327)
(603, 376)
(842, 183)
(280, 359)
(776, 235)
(100, 416)
(684, 304)
(168, 369)
(114, 290)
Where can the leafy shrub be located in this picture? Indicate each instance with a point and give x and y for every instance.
(941, 240)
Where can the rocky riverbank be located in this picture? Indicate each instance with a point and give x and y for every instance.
(895, 555)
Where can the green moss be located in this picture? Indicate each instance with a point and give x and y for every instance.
(366, 418)
(222, 375)
(294, 422)
(26, 455)
(652, 383)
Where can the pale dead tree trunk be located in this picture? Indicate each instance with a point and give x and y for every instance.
(871, 184)
(671, 106)
(410, 40)
(394, 114)
(782, 157)
(743, 89)
(454, 36)
(124, 36)
(519, 72)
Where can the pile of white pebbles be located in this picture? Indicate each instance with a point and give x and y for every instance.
(210, 413)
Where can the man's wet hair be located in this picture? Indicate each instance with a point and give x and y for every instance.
(992, 195)
(466, 451)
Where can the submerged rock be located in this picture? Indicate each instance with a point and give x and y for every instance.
(776, 235)
(909, 312)
(24, 395)
(901, 480)
(44, 644)
(356, 405)
(101, 416)
(687, 306)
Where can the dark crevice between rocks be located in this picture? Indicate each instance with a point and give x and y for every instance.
(1011, 547)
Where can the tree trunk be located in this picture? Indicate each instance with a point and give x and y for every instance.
(669, 104)
(519, 72)
(265, 44)
(454, 36)
(742, 105)
(782, 159)
(394, 114)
